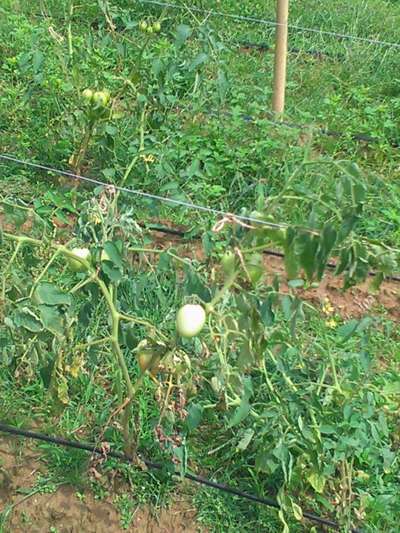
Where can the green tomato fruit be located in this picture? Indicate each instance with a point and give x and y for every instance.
(74, 264)
(190, 320)
(228, 263)
(255, 268)
(87, 94)
(149, 29)
(143, 25)
(157, 27)
(101, 98)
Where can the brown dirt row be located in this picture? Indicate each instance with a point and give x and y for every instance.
(63, 511)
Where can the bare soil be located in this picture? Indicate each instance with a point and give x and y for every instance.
(353, 303)
(62, 511)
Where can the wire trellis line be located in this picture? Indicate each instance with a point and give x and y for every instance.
(227, 217)
(267, 22)
(196, 207)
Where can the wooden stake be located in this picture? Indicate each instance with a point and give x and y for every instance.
(281, 44)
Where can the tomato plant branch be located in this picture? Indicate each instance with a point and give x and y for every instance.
(225, 288)
(6, 270)
(44, 272)
(83, 283)
(96, 342)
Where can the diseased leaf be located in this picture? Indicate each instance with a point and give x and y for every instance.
(28, 320)
(49, 294)
(52, 319)
(317, 481)
(245, 440)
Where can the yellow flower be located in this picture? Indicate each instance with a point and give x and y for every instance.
(327, 307)
(331, 323)
(148, 158)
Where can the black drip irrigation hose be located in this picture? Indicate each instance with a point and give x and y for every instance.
(271, 253)
(11, 430)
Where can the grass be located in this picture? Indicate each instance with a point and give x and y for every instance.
(207, 137)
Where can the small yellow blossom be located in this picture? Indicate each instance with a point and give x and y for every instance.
(148, 158)
(327, 307)
(331, 323)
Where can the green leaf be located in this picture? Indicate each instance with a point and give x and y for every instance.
(245, 440)
(130, 336)
(266, 312)
(348, 329)
(112, 272)
(392, 388)
(244, 408)
(198, 60)
(183, 32)
(291, 259)
(348, 222)
(351, 169)
(240, 413)
(327, 429)
(113, 253)
(85, 313)
(359, 193)
(327, 242)
(345, 259)
(195, 414)
(52, 319)
(307, 245)
(15, 217)
(246, 358)
(317, 481)
(37, 60)
(296, 283)
(286, 304)
(49, 294)
(194, 285)
(28, 320)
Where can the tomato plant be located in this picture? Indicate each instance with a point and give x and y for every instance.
(246, 328)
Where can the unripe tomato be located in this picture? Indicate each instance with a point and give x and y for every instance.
(157, 27)
(149, 29)
(228, 263)
(88, 94)
(101, 98)
(75, 265)
(190, 320)
(255, 268)
(143, 25)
